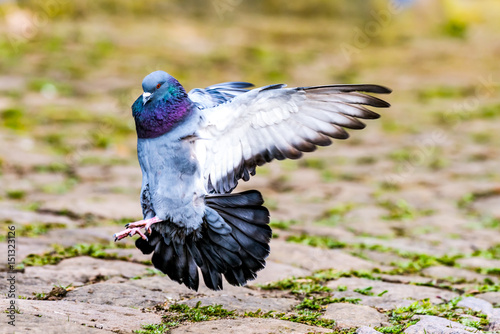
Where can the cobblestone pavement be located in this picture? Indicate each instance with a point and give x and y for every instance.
(395, 230)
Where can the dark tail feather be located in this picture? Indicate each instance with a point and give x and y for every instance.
(246, 246)
(173, 258)
(233, 241)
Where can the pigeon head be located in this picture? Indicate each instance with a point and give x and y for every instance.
(163, 104)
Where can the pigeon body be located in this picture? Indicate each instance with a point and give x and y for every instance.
(193, 149)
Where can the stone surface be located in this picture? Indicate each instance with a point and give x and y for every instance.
(349, 315)
(275, 271)
(248, 326)
(483, 306)
(117, 294)
(444, 272)
(315, 258)
(80, 270)
(489, 206)
(30, 217)
(38, 324)
(492, 297)
(100, 204)
(476, 304)
(366, 330)
(175, 291)
(397, 295)
(105, 317)
(494, 319)
(403, 279)
(435, 325)
(246, 303)
(479, 262)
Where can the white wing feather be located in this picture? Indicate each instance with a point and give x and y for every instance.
(274, 122)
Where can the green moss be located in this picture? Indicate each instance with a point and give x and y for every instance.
(401, 317)
(489, 271)
(314, 284)
(333, 274)
(176, 314)
(152, 329)
(39, 295)
(316, 241)
(487, 112)
(488, 286)
(198, 313)
(328, 176)
(307, 317)
(444, 92)
(60, 253)
(389, 186)
(281, 183)
(149, 273)
(314, 163)
(348, 75)
(490, 253)
(32, 206)
(48, 85)
(271, 203)
(60, 188)
(366, 160)
(106, 161)
(100, 139)
(306, 286)
(402, 210)
(410, 262)
(16, 194)
(97, 52)
(36, 229)
(123, 221)
(29, 230)
(335, 215)
(489, 222)
(400, 155)
(282, 224)
(481, 138)
(396, 329)
(455, 28)
(58, 142)
(365, 291)
(15, 119)
(484, 112)
(317, 303)
(466, 201)
(57, 292)
(415, 262)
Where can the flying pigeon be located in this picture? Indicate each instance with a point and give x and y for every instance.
(193, 149)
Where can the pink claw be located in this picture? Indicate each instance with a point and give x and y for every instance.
(135, 228)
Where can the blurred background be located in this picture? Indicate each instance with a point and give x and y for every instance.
(427, 171)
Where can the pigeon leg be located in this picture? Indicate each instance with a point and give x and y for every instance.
(135, 228)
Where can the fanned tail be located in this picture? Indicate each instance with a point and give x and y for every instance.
(233, 241)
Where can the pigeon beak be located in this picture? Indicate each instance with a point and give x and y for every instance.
(145, 97)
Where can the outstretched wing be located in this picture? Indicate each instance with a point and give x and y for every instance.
(274, 122)
(217, 94)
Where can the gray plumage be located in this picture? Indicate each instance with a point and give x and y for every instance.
(194, 148)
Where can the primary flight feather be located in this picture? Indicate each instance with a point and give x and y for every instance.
(193, 149)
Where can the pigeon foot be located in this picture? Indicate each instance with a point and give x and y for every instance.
(135, 228)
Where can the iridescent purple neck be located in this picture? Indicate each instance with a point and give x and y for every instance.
(161, 115)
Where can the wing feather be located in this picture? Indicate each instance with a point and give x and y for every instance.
(274, 122)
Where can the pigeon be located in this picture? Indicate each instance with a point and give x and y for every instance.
(194, 147)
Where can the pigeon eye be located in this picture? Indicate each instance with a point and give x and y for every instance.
(158, 85)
